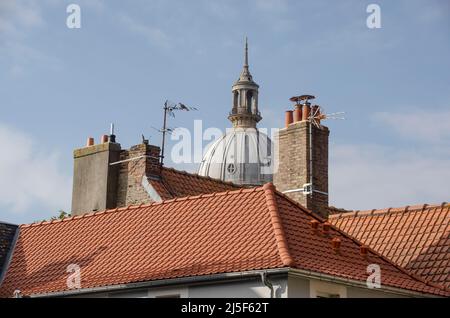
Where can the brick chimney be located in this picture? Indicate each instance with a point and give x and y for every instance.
(107, 177)
(138, 164)
(300, 176)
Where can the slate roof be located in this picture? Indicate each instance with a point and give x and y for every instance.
(7, 236)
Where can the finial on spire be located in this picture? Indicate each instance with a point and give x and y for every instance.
(246, 52)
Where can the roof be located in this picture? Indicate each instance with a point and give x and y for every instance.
(416, 238)
(179, 184)
(226, 232)
(7, 235)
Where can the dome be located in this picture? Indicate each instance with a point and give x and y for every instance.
(242, 156)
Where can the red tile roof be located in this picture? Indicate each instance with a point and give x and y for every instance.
(235, 231)
(416, 238)
(178, 184)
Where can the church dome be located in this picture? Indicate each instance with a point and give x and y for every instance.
(242, 156)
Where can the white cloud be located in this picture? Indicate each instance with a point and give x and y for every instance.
(18, 16)
(29, 176)
(430, 126)
(370, 176)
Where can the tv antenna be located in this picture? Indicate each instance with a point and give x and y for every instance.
(169, 110)
(315, 115)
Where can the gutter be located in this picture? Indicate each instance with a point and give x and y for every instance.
(167, 282)
(356, 283)
(267, 283)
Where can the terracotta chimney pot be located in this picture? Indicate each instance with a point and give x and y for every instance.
(90, 142)
(298, 113)
(306, 111)
(289, 118)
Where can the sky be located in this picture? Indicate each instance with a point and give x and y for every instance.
(59, 86)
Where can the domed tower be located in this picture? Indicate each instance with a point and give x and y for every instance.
(244, 154)
(245, 113)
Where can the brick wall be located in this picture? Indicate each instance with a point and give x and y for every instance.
(130, 190)
(294, 168)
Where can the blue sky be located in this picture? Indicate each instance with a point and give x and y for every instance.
(58, 86)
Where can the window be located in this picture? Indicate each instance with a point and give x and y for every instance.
(236, 100)
(231, 168)
(249, 101)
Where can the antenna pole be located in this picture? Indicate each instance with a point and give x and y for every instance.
(112, 137)
(164, 133)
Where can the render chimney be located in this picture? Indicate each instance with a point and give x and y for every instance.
(300, 178)
(94, 179)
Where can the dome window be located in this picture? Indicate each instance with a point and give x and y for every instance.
(231, 168)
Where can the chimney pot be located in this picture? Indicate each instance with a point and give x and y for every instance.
(105, 139)
(289, 118)
(90, 142)
(298, 113)
(306, 111)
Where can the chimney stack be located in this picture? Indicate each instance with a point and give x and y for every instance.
(303, 158)
(94, 179)
(107, 177)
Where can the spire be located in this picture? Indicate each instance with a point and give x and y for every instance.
(245, 113)
(245, 74)
(246, 53)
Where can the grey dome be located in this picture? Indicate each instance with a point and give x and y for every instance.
(242, 156)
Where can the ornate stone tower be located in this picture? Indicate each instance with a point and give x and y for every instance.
(245, 113)
(244, 154)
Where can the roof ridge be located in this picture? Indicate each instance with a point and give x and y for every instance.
(359, 243)
(280, 237)
(142, 205)
(299, 206)
(391, 210)
(196, 175)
